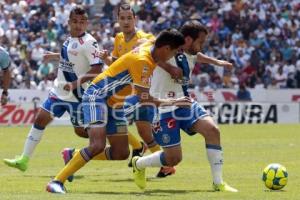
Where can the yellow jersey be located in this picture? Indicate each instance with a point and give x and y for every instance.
(121, 46)
(135, 67)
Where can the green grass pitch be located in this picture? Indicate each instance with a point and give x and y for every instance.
(247, 150)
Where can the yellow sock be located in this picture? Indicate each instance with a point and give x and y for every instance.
(73, 165)
(105, 155)
(155, 148)
(100, 156)
(134, 142)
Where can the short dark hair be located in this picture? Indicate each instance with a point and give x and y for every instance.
(125, 6)
(170, 37)
(193, 28)
(78, 10)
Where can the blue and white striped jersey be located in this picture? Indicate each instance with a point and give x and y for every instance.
(77, 57)
(162, 84)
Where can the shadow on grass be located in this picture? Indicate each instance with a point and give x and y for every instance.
(155, 192)
(51, 177)
(275, 191)
(150, 179)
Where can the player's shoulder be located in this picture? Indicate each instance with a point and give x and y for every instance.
(88, 40)
(142, 34)
(119, 36)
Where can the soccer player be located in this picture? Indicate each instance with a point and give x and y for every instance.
(4, 66)
(191, 120)
(79, 63)
(125, 41)
(104, 99)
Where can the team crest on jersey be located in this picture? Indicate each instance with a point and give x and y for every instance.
(166, 138)
(74, 45)
(120, 48)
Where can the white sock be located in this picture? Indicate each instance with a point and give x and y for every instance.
(215, 158)
(152, 160)
(34, 136)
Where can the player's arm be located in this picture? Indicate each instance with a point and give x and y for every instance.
(201, 58)
(49, 56)
(107, 59)
(90, 75)
(175, 72)
(6, 83)
(146, 98)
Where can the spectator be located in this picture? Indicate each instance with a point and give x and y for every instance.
(243, 94)
(45, 69)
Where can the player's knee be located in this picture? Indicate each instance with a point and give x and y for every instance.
(96, 148)
(81, 132)
(215, 131)
(121, 155)
(173, 160)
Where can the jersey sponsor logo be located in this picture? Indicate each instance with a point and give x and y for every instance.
(95, 44)
(156, 127)
(171, 123)
(171, 94)
(145, 78)
(66, 66)
(96, 54)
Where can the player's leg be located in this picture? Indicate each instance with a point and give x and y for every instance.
(205, 125)
(95, 116)
(167, 136)
(138, 147)
(97, 142)
(51, 107)
(144, 127)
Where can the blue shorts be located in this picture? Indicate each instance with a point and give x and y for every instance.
(97, 113)
(166, 129)
(58, 107)
(134, 112)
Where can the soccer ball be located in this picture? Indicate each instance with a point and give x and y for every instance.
(275, 176)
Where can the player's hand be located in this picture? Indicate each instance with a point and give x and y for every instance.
(183, 102)
(70, 86)
(103, 54)
(4, 98)
(225, 63)
(176, 73)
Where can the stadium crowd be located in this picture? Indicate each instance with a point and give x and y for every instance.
(261, 37)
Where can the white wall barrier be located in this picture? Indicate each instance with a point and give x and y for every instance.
(254, 113)
(275, 106)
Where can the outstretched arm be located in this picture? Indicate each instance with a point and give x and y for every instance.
(145, 97)
(201, 58)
